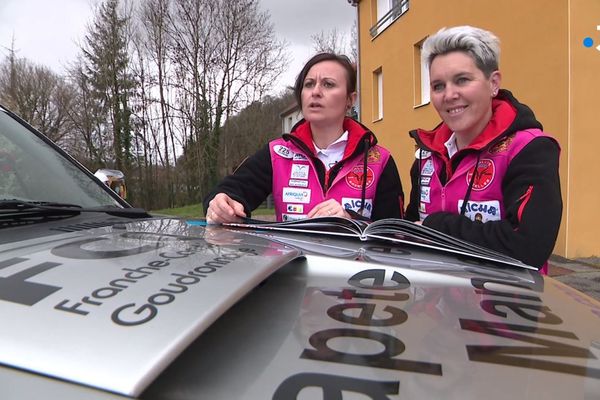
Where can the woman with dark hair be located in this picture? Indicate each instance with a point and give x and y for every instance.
(487, 174)
(329, 165)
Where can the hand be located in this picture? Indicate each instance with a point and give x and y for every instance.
(418, 222)
(223, 208)
(328, 208)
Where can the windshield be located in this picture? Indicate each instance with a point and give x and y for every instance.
(32, 170)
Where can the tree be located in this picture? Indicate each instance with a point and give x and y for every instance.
(354, 42)
(337, 42)
(106, 68)
(151, 92)
(329, 42)
(88, 119)
(250, 129)
(37, 94)
(154, 17)
(227, 57)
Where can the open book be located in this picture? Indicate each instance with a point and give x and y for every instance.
(389, 229)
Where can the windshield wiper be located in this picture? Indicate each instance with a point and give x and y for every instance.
(131, 212)
(15, 207)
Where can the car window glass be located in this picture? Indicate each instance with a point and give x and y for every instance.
(31, 169)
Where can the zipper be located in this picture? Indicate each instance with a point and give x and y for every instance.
(326, 183)
(524, 200)
(443, 194)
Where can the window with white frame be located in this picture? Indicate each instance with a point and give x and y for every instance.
(378, 94)
(425, 92)
(421, 85)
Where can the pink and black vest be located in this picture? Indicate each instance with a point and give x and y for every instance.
(485, 200)
(296, 186)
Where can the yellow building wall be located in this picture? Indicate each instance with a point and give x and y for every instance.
(583, 157)
(541, 52)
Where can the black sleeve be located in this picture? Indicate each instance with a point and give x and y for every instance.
(533, 208)
(389, 197)
(250, 184)
(412, 211)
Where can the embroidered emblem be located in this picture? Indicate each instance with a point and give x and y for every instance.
(503, 145)
(374, 155)
(486, 170)
(355, 178)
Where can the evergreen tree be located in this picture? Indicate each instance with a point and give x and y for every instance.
(107, 68)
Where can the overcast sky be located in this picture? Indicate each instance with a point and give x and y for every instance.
(48, 31)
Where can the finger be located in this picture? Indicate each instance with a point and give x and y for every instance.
(221, 208)
(332, 208)
(324, 212)
(211, 213)
(238, 208)
(210, 217)
(315, 211)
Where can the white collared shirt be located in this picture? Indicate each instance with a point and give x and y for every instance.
(451, 145)
(334, 152)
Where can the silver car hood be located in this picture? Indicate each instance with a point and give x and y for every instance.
(111, 307)
(165, 309)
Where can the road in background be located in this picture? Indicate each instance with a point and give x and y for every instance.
(581, 274)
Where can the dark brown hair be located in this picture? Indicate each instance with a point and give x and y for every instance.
(340, 59)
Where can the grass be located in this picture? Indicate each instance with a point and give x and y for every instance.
(196, 211)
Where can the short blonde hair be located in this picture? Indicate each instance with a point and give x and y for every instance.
(483, 46)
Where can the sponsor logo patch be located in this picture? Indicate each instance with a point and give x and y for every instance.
(374, 155)
(299, 157)
(355, 178)
(298, 183)
(425, 180)
(300, 171)
(425, 192)
(293, 195)
(422, 211)
(295, 208)
(427, 169)
(283, 151)
(503, 145)
(422, 154)
(292, 217)
(482, 210)
(354, 204)
(486, 170)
